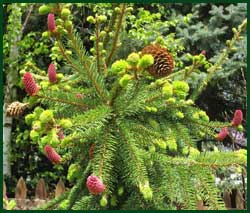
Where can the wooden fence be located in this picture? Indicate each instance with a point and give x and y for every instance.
(41, 195)
(233, 199)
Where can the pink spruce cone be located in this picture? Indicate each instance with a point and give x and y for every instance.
(52, 73)
(29, 84)
(79, 95)
(222, 134)
(238, 117)
(51, 22)
(52, 155)
(203, 52)
(95, 185)
(60, 134)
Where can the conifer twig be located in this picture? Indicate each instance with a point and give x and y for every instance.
(63, 101)
(221, 59)
(87, 68)
(97, 47)
(118, 27)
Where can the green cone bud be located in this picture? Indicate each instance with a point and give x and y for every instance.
(120, 190)
(73, 171)
(103, 201)
(68, 25)
(91, 19)
(65, 123)
(65, 13)
(34, 135)
(29, 119)
(179, 115)
(133, 59)
(44, 9)
(119, 66)
(167, 90)
(102, 18)
(240, 128)
(117, 9)
(170, 101)
(146, 61)
(125, 80)
(46, 116)
(172, 145)
(102, 34)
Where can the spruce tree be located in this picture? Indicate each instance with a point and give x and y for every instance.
(128, 129)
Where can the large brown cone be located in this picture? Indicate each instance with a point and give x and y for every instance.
(16, 109)
(163, 60)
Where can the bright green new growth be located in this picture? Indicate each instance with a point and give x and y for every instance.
(119, 66)
(137, 134)
(146, 61)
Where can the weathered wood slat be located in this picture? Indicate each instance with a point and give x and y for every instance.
(21, 189)
(60, 188)
(239, 201)
(227, 199)
(41, 192)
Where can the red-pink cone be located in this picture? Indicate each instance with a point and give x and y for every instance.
(60, 134)
(222, 134)
(79, 95)
(51, 22)
(52, 73)
(29, 84)
(95, 185)
(52, 155)
(238, 117)
(203, 52)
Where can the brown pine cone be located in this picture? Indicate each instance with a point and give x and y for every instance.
(163, 60)
(16, 109)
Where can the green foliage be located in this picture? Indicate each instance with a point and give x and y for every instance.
(138, 134)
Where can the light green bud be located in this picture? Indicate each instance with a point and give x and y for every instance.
(91, 19)
(123, 82)
(133, 59)
(46, 116)
(34, 135)
(29, 119)
(65, 123)
(65, 13)
(179, 115)
(103, 201)
(44, 9)
(146, 61)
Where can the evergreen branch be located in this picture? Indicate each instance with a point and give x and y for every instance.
(75, 192)
(202, 161)
(83, 203)
(104, 156)
(84, 60)
(66, 57)
(118, 27)
(97, 47)
(220, 61)
(63, 101)
(53, 202)
(139, 174)
(110, 27)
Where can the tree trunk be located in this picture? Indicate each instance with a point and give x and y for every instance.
(10, 92)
